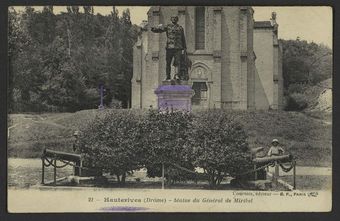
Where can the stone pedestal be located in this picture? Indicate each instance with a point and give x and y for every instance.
(174, 95)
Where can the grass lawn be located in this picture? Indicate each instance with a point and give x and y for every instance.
(307, 138)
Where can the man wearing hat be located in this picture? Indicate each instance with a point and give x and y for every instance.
(76, 141)
(76, 149)
(175, 44)
(275, 149)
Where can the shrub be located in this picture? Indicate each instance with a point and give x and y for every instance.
(91, 98)
(213, 140)
(297, 102)
(112, 143)
(218, 145)
(164, 136)
(115, 104)
(297, 88)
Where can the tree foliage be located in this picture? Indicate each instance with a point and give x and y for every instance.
(304, 65)
(305, 62)
(122, 141)
(218, 144)
(112, 143)
(68, 55)
(164, 136)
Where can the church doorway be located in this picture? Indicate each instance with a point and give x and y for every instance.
(200, 98)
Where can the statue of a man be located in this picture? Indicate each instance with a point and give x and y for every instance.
(175, 45)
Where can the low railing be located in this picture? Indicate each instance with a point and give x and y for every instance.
(50, 158)
(277, 162)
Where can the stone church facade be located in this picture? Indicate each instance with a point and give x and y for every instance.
(225, 47)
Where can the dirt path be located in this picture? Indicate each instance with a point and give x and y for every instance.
(322, 121)
(306, 171)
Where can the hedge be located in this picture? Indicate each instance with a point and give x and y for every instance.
(122, 141)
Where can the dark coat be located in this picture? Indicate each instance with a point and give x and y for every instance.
(175, 36)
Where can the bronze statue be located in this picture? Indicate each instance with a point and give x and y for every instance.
(175, 49)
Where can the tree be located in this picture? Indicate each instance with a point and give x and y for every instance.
(304, 66)
(18, 40)
(112, 143)
(164, 136)
(93, 49)
(24, 58)
(218, 144)
(88, 9)
(128, 36)
(305, 62)
(64, 84)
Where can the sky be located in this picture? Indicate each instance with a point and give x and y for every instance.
(311, 23)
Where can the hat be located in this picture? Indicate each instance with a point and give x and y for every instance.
(275, 141)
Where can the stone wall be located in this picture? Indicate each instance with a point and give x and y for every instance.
(268, 66)
(263, 48)
(261, 99)
(268, 63)
(281, 102)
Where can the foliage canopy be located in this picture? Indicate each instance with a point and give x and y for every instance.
(57, 61)
(120, 142)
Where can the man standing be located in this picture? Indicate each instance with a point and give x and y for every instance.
(77, 150)
(175, 45)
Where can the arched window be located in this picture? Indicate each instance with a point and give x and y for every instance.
(199, 28)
